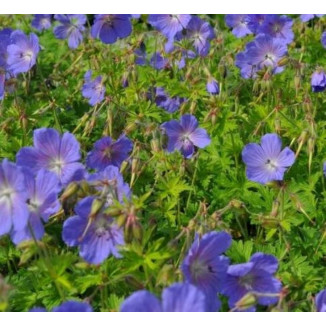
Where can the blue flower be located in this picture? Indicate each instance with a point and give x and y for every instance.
(206, 267)
(22, 52)
(185, 135)
(278, 27)
(320, 301)
(13, 197)
(67, 306)
(179, 297)
(55, 153)
(158, 61)
(169, 25)
(108, 28)
(71, 27)
(140, 55)
(323, 39)
(239, 24)
(170, 104)
(94, 90)
(108, 152)
(212, 86)
(263, 52)
(111, 185)
(200, 33)
(307, 17)
(318, 81)
(41, 22)
(255, 22)
(255, 277)
(267, 162)
(97, 237)
(42, 191)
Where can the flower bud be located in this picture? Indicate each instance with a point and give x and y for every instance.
(246, 302)
(71, 189)
(96, 207)
(283, 61)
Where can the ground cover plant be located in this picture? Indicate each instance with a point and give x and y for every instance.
(162, 162)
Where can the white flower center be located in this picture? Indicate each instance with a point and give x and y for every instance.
(271, 165)
(28, 55)
(5, 195)
(56, 165)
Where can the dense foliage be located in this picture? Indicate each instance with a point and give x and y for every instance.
(169, 195)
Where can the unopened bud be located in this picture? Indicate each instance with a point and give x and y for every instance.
(301, 140)
(246, 302)
(112, 211)
(155, 145)
(137, 231)
(96, 207)
(69, 191)
(275, 207)
(193, 107)
(121, 220)
(283, 61)
(297, 81)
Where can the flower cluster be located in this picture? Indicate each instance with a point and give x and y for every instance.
(273, 34)
(207, 274)
(30, 188)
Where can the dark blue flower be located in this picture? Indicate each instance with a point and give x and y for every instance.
(140, 55)
(67, 306)
(73, 306)
(108, 152)
(71, 27)
(255, 22)
(206, 267)
(247, 70)
(267, 162)
(108, 28)
(323, 39)
(97, 237)
(170, 104)
(93, 90)
(4, 42)
(41, 22)
(255, 277)
(179, 297)
(22, 52)
(55, 153)
(158, 61)
(185, 135)
(320, 301)
(318, 81)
